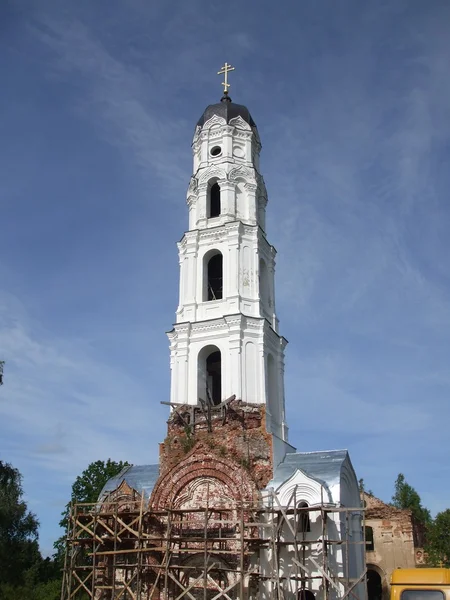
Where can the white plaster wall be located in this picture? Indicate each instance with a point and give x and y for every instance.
(242, 248)
(300, 487)
(243, 342)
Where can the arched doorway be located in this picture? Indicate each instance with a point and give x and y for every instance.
(374, 585)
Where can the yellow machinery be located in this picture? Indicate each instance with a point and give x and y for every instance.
(420, 584)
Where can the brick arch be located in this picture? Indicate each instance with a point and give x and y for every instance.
(202, 466)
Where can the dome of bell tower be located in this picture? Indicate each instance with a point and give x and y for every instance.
(227, 110)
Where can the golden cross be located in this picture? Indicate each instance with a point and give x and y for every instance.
(224, 71)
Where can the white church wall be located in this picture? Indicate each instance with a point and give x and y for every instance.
(342, 560)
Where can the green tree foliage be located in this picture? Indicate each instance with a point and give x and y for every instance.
(23, 572)
(86, 488)
(438, 540)
(362, 487)
(19, 550)
(405, 496)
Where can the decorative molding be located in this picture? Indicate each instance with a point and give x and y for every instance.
(193, 184)
(216, 233)
(243, 135)
(210, 326)
(210, 172)
(241, 172)
(214, 120)
(240, 123)
(306, 489)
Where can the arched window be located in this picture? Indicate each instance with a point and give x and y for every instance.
(214, 208)
(305, 595)
(210, 374)
(304, 523)
(369, 539)
(214, 377)
(214, 277)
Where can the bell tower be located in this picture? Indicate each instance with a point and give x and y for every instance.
(225, 340)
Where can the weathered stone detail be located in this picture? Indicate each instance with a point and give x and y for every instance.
(238, 444)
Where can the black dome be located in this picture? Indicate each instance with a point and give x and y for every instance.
(228, 110)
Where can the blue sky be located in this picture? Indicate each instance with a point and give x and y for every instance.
(98, 106)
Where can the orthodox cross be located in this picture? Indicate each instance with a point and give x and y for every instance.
(224, 71)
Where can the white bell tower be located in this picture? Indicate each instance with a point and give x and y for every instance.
(225, 340)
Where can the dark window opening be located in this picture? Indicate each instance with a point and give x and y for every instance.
(305, 595)
(370, 546)
(214, 201)
(374, 585)
(215, 151)
(304, 523)
(214, 378)
(215, 278)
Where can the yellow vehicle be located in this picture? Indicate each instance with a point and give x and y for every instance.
(420, 584)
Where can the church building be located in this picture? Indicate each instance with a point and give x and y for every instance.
(232, 510)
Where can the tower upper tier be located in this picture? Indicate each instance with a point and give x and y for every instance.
(226, 184)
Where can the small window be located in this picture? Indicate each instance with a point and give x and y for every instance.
(422, 595)
(304, 523)
(370, 546)
(216, 151)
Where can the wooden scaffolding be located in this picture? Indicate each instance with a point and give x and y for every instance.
(219, 551)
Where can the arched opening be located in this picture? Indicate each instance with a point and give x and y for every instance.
(374, 585)
(214, 377)
(305, 595)
(214, 277)
(370, 546)
(304, 522)
(210, 375)
(214, 207)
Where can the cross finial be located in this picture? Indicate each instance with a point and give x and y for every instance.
(224, 71)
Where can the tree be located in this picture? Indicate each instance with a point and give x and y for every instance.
(86, 488)
(438, 540)
(362, 487)
(19, 551)
(406, 497)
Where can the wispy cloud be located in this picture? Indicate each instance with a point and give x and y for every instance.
(116, 98)
(352, 104)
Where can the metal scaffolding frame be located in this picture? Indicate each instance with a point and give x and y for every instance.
(223, 550)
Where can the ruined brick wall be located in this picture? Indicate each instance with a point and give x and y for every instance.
(393, 538)
(235, 435)
(213, 463)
